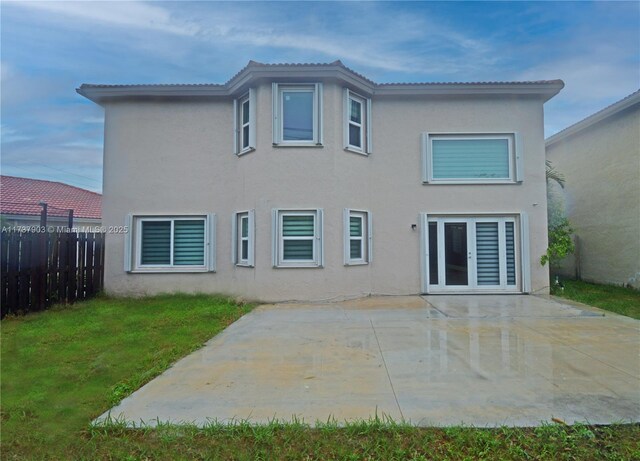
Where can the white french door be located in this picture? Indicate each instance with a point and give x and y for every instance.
(471, 254)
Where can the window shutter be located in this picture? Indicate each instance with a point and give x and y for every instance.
(275, 109)
(236, 131)
(345, 117)
(275, 238)
(345, 239)
(252, 238)
(234, 238)
(128, 240)
(320, 236)
(319, 113)
(426, 157)
(252, 118)
(369, 237)
(519, 157)
(369, 122)
(211, 242)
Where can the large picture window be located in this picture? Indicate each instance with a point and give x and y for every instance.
(297, 238)
(173, 243)
(471, 158)
(297, 114)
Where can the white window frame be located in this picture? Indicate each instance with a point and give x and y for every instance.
(236, 233)
(277, 249)
(515, 157)
(278, 90)
(365, 126)
(238, 125)
(366, 237)
(133, 244)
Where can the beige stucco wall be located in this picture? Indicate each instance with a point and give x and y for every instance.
(176, 157)
(601, 164)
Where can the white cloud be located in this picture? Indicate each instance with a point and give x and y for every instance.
(124, 14)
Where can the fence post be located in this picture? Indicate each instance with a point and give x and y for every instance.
(43, 215)
(73, 265)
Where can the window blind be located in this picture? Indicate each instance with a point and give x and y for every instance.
(470, 158)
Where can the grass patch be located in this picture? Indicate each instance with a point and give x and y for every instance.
(621, 300)
(376, 439)
(63, 367)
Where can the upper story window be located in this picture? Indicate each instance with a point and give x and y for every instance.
(357, 123)
(297, 238)
(471, 158)
(244, 238)
(297, 114)
(172, 243)
(245, 123)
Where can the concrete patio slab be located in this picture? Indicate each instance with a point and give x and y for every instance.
(434, 360)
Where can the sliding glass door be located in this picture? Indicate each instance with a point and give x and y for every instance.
(472, 254)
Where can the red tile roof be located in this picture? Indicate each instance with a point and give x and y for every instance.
(20, 196)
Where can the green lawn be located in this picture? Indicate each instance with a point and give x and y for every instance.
(64, 367)
(621, 300)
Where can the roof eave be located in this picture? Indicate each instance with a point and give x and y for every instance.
(605, 113)
(101, 95)
(545, 90)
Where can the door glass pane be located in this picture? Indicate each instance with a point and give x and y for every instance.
(188, 242)
(298, 249)
(156, 242)
(297, 121)
(455, 257)
(511, 253)
(433, 253)
(487, 256)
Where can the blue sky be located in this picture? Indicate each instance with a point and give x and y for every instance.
(49, 48)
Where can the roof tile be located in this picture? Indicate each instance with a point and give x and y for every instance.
(21, 196)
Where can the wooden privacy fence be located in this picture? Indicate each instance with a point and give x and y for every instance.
(42, 268)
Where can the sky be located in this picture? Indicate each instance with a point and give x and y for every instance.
(48, 49)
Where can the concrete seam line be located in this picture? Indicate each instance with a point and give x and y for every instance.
(384, 362)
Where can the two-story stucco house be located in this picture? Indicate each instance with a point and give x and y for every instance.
(310, 181)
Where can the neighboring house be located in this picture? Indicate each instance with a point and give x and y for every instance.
(310, 181)
(600, 159)
(20, 200)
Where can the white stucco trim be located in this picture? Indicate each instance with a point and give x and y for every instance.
(128, 241)
(525, 252)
